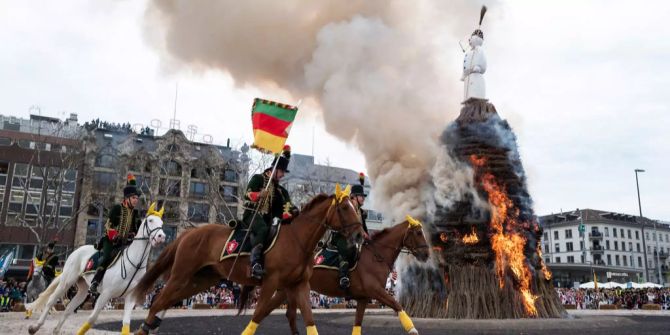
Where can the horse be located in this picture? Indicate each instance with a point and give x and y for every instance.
(369, 277)
(192, 263)
(37, 282)
(119, 280)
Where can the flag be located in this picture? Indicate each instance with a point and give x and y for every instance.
(271, 122)
(5, 261)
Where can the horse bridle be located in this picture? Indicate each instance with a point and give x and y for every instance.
(400, 249)
(138, 266)
(343, 227)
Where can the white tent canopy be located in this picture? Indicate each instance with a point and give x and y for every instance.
(591, 285)
(612, 284)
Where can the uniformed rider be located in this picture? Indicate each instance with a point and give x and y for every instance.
(50, 260)
(348, 254)
(122, 225)
(266, 200)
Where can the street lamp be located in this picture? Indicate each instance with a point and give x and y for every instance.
(657, 252)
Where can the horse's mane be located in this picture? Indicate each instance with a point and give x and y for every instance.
(312, 203)
(381, 234)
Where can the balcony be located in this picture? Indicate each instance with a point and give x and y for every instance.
(595, 235)
(597, 249)
(665, 269)
(662, 255)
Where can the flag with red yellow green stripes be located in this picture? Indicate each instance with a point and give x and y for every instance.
(271, 122)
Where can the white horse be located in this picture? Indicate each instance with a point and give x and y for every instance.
(119, 280)
(37, 282)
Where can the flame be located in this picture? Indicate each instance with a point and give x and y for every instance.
(444, 237)
(507, 242)
(545, 271)
(471, 238)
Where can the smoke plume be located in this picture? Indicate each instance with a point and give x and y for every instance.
(385, 73)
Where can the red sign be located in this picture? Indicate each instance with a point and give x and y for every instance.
(232, 245)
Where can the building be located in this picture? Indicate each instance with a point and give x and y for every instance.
(197, 183)
(58, 179)
(308, 179)
(616, 247)
(41, 165)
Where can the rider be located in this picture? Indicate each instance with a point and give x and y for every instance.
(122, 225)
(50, 263)
(348, 255)
(271, 200)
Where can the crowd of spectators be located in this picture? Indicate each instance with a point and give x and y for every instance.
(11, 292)
(622, 298)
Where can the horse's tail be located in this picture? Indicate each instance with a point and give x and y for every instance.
(244, 298)
(162, 265)
(42, 299)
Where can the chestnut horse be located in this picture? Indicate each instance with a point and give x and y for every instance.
(192, 262)
(368, 279)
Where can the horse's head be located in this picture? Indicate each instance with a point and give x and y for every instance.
(152, 227)
(37, 266)
(414, 240)
(344, 218)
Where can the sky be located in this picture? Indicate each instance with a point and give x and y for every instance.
(584, 84)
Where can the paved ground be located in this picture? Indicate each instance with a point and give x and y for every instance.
(376, 323)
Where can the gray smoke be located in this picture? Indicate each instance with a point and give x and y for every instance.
(385, 73)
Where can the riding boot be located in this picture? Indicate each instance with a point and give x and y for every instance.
(99, 273)
(256, 258)
(344, 275)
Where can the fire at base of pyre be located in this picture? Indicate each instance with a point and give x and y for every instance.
(486, 242)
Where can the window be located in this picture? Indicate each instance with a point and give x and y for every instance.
(630, 248)
(629, 234)
(546, 261)
(607, 232)
(568, 233)
(616, 245)
(617, 260)
(609, 259)
(230, 175)
(5, 141)
(646, 236)
(637, 235)
(557, 247)
(198, 190)
(171, 168)
(653, 236)
(648, 249)
(571, 259)
(622, 235)
(229, 193)
(614, 232)
(555, 235)
(4, 170)
(105, 161)
(104, 181)
(582, 258)
(546, 248)
(546, 236)
(581, 246)
(170, 187)
(144, 183)
(198, 212)
(558, 259)
(607, 244)
(26, 251)
(171, 210)
(639, 262)
(625, 261)
(623, 246)
(569, 247)
(638, 248)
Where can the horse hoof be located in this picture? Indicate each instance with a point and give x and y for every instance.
(32, 330)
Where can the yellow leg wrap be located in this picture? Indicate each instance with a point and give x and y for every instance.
(84, 328)
(356, 330)
(406, 322)
(125, 330)
(251, 328)
(29, 313)
(311, 330)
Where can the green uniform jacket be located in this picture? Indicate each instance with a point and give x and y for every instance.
(49, 267)
(124, 220)
(276, 204)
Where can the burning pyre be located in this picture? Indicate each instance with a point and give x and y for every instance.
(489, 262)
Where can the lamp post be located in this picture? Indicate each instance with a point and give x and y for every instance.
(657, 251)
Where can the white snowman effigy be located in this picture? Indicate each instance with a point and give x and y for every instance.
(474, 65)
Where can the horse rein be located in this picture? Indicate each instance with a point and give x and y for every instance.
(139, 266)
(401, 249)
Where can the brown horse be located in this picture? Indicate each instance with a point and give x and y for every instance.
(368, 279)
(192, 262)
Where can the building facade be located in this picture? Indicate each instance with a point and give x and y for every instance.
(616, 247)
(58, 180)
(308, 179)
(41, 164)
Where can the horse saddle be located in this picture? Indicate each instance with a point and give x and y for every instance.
(328, 258)
(234, 243)
(94, 261)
